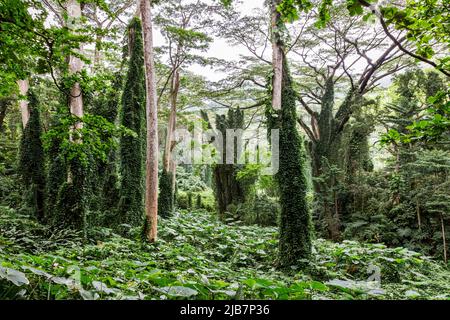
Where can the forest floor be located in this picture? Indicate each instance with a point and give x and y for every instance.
(198, 257)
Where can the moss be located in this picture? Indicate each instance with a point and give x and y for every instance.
(228, 189)
(166, 195)
(132, 116)
(32, 162)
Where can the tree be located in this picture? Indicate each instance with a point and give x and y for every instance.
(151, 193)
(327, 69)
(424, 21)
(32, 161)
(23, 103)
(228, 189)
(295, 219)
(106, 19)
(183, 26)
(133, 117)
(75, 65)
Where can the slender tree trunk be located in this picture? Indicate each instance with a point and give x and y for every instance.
(277, 57)
(151, 193)
(175, 87)
(75, 65)
(23, 103)
(443, 238)
(97, 51)
(419, 220)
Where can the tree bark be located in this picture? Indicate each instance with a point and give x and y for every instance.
(443, 239)
(170, 144)
(75, 66)
(23, 103)
(277, 57)
(4, 103)
(151, 193)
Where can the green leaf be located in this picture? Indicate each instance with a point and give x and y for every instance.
(178, 291)
(14, 276)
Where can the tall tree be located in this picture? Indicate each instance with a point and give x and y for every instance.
(131, 205)
(184, 28)
(32, 161)
(332, 90)
(151, 191)
(295, 220)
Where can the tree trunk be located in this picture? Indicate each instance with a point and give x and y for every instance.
(151, 193)
(97, 51)
(170, 144)
(295, 219)
(277, 57)
(443, 239)
(75, 66)
(23, 102)
(4, 104)
(324, 154)
(419, 219)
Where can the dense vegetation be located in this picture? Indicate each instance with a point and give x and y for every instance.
(199, 257)
(134, 167)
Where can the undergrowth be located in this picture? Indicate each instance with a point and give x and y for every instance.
(198, 257)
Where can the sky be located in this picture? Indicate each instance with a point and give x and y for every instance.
(220, 48)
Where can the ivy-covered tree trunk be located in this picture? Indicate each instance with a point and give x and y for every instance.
(106, 182)
(131, 204)
(72, 197)
(228, 189)
(32, 161)
(4, 105)
(295, 218)
(324, 155)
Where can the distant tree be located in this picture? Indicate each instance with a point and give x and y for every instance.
(184, 27)
(32, 162)
(227, 188)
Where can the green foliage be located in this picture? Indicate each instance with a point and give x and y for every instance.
(189, 181)
(73, 197)
(10, 187)
(295, 218)
(419, 91)
(219, 262)
(425, 23)
(166, 194)
(433, 128)
(32, 162)
(97, 133)
(411, 213)
(261, 205)
(185, 200)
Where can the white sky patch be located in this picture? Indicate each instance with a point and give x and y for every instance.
(219, 48)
